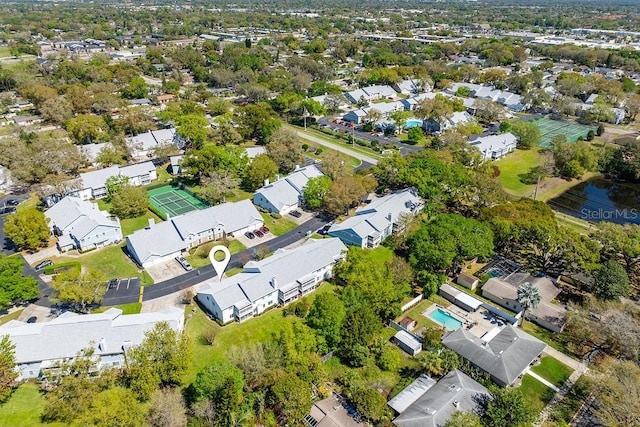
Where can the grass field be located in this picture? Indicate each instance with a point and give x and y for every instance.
(536, 394)
(11, 316)
(24, 407)
(545, 336)
(553, 370)
(133, 308)
(200, 256)
(278, 226)
(110, 261)
(130, 225)
(259, 329)
(513, 166)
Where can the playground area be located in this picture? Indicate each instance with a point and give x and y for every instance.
(173, 201)
(550, 128)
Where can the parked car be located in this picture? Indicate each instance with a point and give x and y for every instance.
(112, 284)
(296, 214)
(249, 234)
(7, 210)
(258, 233)
(32, 319)
(264, 229)
(184, 263)
(11, 202)
(43, 264)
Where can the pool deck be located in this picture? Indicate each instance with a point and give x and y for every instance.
(478, 323)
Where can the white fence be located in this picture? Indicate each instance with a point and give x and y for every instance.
(411, 303)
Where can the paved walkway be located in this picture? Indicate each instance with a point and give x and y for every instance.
(542, 380)
(579, 368)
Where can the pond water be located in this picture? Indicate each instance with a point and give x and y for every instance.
(600, 200)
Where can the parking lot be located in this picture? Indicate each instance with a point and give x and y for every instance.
(121, 291)
(165, 270)
(256, 241)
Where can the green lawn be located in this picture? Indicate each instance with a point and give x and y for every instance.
(311, 153)
(382, 253)
(110, 261)
(11, 316)
(546, 336)
(239, 194)
(536, 394)
(254, 330)
(4, 51)
(416, 314)
(163, 173)
(133, 308)
(278, 226)
(553, 370)
(129, 225)
(200, 256)
(24, 407)
(338, 142)
(513, 166)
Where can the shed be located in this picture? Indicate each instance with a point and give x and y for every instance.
(408, 323)
(407, 342)
(467, 280)
(467, 302)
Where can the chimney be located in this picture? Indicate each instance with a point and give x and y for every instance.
(266, 182)
(274, 283)
(297, 167)
(151, 222)
(389, 217)
(277, 177)
(456, 403)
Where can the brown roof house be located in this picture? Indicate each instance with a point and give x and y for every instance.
(330, 413)
(547, 314)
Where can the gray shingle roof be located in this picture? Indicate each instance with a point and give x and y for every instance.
(285, 266)
(505, 357)
(170, 236)
(66, 335)
(78, 217)
(454, 392)
(287, 191)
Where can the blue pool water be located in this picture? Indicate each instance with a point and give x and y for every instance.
(413, 123)
(445, 319)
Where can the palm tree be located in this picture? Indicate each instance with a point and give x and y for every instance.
(528, 297)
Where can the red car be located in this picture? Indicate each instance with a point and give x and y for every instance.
(264, 229)
(258, 233)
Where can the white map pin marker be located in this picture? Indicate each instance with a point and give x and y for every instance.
(219, 266)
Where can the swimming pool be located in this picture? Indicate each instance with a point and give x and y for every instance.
(411, 123)
(445, 319)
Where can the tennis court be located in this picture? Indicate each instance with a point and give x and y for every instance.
(174, 201)
(550, 128)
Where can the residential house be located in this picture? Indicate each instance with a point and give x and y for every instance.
(406, 87)
(506, 356)
(23, 121)
(91, 151)
(322, 99)
(494, 147)
(407, 342)
(285, 195)
(140, 102)
(165, 98)
(371, 93)
(81, 225)
(330, 412)
(276, 280)
(165, 240)
(510, 100)
(254, 151)
(378, 220)
(176, 162)
(92, 185)
(42, 347)
(459, 117)
(385, 108)
(425, 403)
(410, 104)
(142, 145)
(548, 314)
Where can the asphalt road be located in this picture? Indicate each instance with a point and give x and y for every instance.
(193, 277)
(404, 148)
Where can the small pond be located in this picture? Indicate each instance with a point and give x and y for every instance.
(599, 199)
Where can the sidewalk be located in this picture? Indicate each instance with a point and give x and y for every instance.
(542, 380)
